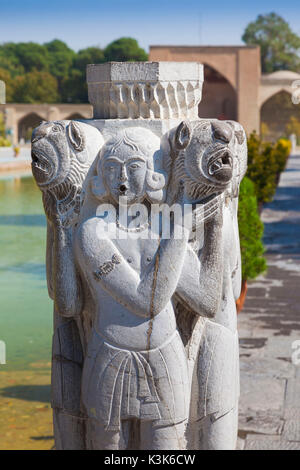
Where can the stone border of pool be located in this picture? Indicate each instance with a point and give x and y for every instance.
(15, 166)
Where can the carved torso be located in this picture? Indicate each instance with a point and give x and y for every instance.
(113, 320)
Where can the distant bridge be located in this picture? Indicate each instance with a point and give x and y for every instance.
(20, 119)
(234, 88)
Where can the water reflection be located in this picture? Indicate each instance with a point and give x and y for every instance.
(30, 219)
(25, 310)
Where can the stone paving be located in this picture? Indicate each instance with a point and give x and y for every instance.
(269, 326)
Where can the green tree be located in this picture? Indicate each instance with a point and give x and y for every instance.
(123, 50)
(35, 87)
(23, 64)
(60, 60)
(9, 59)
(251, 231)
(32, 56)
(279, 45)
(90, 55)
(74, 87)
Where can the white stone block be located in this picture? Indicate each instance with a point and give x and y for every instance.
(155, 90)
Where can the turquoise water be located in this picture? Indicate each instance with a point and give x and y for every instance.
(25, 309)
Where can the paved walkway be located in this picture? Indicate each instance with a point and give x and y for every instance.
(269, 325)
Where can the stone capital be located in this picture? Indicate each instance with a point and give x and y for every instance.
(143, 90)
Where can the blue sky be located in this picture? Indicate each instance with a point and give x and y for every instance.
(82, 23)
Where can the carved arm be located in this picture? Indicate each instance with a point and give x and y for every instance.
(66, 284)
(146, 295)
(200, 282)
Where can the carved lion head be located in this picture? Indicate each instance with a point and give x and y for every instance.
(204, 156)
(61, 152)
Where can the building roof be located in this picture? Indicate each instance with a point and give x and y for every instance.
(283, 75)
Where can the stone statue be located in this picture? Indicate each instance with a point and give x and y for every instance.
(145, 344)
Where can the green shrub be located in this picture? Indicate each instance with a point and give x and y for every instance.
(266, 161)
(262, 168)
(251, 231)
(4, 142)
(282, 150)
(2, 125)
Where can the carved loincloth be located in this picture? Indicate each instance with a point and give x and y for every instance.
(120, 384)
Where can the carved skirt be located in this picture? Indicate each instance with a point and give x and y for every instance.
(119, 384)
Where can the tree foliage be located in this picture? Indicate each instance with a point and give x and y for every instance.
(35, 87)
(3, 141)
(293, 126)
(123, 50)
(2, 126)
(279, 45)
(52, 72)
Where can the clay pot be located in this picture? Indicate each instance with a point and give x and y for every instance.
(241, 300)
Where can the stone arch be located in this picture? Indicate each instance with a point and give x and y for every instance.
(219, 98)
(26, 125)
(267, 92)
(276, 112)
(74, 116)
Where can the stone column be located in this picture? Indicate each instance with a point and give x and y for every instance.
(145, 350)
(154, 95)
(248, 88)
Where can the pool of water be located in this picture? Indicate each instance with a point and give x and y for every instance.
(25, 309)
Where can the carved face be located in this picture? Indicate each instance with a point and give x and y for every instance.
(51, 144)
(124, 175)
(208, 154)
(129, 165)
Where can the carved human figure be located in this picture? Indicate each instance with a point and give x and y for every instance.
(131, 389)
(141, 362)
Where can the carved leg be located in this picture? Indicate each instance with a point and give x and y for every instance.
(98, 438)
(163, 438)
(221, 433)
(69, 431)
(69, 425)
